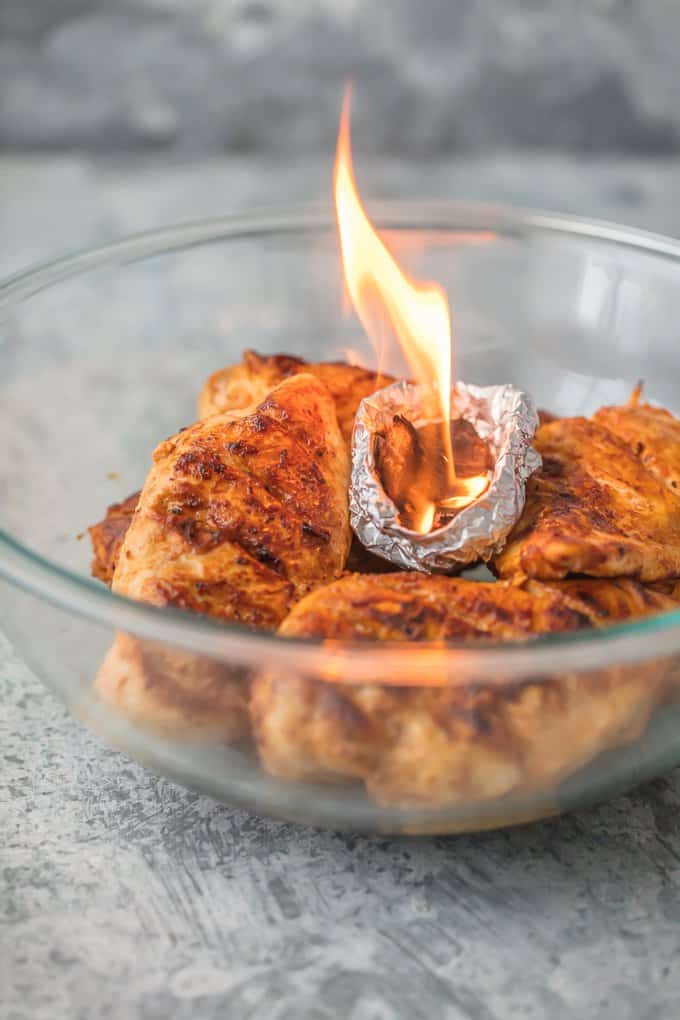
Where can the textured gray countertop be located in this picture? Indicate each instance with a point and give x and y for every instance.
(123, 895)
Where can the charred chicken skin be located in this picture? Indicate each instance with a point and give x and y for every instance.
(241, 515)
(598, 506)
(433, 745)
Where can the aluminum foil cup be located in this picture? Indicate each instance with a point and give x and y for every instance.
(504, 417)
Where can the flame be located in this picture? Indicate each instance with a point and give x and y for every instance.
(383, 295)
(417, 312)
(467, 490)
(424, 519)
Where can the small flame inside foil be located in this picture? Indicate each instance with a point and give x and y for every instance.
(413, 466)
(476, 522)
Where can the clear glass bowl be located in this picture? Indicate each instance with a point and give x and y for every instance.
(103, 354)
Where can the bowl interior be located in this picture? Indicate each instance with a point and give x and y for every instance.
(104, 357)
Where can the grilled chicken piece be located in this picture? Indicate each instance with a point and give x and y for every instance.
(460, 741)
(107, 537)
(241, 516)
(251, 380)
(243, 513)
(594, 508)
(652, 433)
(411, 606)
(174, 693)
(233, 389)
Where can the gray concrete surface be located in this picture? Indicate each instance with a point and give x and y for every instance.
(124, 896)
(437, 76)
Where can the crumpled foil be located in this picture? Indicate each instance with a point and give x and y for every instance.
(504, 417)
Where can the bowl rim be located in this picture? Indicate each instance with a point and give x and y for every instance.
(343, 662)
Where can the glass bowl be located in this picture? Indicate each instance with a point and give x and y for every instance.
(103, 354)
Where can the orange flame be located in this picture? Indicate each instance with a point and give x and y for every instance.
(382, 293)
(418, 312)
(424, 519)
(467, 489)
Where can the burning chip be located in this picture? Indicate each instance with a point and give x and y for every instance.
(429, 475)
(422, 508)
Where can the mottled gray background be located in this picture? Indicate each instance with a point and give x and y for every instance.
(432, 78)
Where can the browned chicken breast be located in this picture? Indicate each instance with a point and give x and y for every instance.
(652, 433)
(233, 389)
(246, 508)
(174, 693)
(240, 516)
(461, 742)
(594, 508)
(410, 606)
(251, 380)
